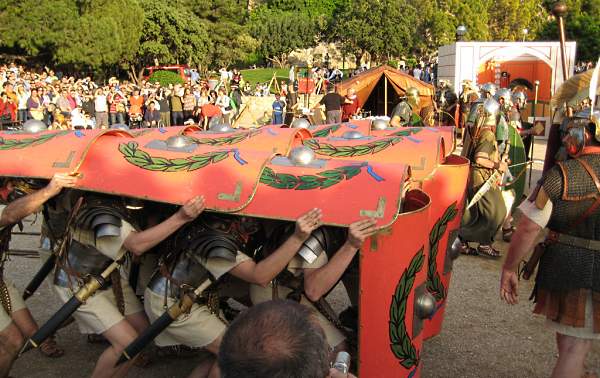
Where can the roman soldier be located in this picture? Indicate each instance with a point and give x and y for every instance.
(198, 259)
(19, 199)
(567, 289)
(103, 231)
(406, 113)
(321, 262)
(487, 211)
(466, 98)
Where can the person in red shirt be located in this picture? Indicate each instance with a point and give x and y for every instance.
(8, 110)
(208, 112)
(352, 105)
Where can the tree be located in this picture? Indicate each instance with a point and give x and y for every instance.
(582, 24)
(92, 33)
(508, 18)
(170, 35)
(281, 32)
(231, 41)
(107, 33)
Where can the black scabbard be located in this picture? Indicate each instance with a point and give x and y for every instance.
(52, 324)
(39, 277)
(146, 337)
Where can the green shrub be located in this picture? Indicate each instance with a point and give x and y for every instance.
(165, 78)
(393, 63)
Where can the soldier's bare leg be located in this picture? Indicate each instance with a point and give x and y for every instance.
(11, 341)
(139, 321)
(120, 335)
(205, 369)
(572, 352)
(28, 326)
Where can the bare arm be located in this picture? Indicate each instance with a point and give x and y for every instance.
(29, 204)
(317, 282)
(140, 242)
(263, 272)
(521, 243)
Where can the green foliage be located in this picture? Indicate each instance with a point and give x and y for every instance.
(172, 35)
(280, 32)
(582, 24)
(166, 77)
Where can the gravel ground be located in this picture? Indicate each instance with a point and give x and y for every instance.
(482, 337)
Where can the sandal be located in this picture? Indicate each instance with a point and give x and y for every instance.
(488, 251)
(464, 249)
(50, 348)
(507, 233)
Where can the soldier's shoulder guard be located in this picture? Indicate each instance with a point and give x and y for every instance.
(102, 220)
(553, 182)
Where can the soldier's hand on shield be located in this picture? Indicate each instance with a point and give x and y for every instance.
(307, 223)
(509, 283)
(359, 231)
(191, 209)
(59, 181)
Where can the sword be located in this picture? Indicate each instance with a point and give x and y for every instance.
(39, 277)
(48, 266)
(496, 176)
(183, 306)
(91, 286)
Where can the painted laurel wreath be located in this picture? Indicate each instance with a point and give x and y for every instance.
(326, 131)
(228, 140)
(328, 149)
(321, 180)
(400, 343)
(434, 282)
(15, 144)
(144, 160)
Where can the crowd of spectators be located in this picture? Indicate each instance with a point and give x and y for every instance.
(66, 102)
(583, 66)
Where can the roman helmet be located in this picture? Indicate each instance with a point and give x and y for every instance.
(413, 97)
(504, 98)
(520, 99)
(488, 90)
(583, 129)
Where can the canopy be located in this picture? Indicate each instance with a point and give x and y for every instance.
(371, 90)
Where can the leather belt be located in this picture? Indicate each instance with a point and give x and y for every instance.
(574, 241)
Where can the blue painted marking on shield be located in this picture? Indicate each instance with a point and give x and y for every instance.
(272, 132)
(414, 140)
(238, 157)
(162, 130)
(79, 134)
(371, 172)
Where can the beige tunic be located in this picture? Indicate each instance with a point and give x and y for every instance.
(200, 327)
(100, 312)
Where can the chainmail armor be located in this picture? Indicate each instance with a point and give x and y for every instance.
(564, 267)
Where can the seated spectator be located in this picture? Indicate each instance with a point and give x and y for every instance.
(276, 339)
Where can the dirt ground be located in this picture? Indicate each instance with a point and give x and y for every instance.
(482, 337)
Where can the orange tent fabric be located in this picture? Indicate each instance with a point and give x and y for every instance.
(365, 82)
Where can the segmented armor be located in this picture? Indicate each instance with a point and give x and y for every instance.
(572, 191)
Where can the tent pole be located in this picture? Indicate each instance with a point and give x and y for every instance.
(385, 95)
